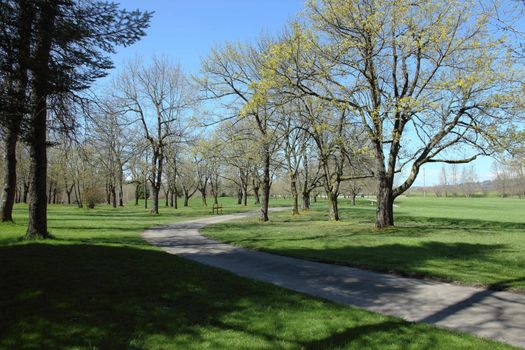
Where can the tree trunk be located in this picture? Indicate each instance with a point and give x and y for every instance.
(353, 199)
(37, 225)
(78, 195)
(145, 194)
(137, 187)
(306, 201)
(256, 195)
(108, 194)
(167, 198)
(25, 192)
(17, 194)
(24, 29)
(333, 208)
(50, 191)
(245, 195)
(113, 196)
(266, 187)
(9, 191)
(186, 199)
(155, 200)
(156, 175)
(69, 190)
(172, 194)
(203, 195)
(120, 188)
(176, 198)
(239, 196)
(295, 195)
(385, 204)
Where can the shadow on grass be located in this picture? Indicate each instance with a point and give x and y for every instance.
(87, 296)
(360, 334)
(58, 296)
(453, 260)
(365, 215)
(448, 223)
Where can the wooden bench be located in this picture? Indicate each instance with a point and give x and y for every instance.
(216, 208)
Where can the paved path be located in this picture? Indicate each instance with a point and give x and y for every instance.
(486, 313)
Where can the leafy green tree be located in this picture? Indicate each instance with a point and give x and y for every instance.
(231, 74)
(429, 81)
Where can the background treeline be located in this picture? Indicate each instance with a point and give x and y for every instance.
(508, 180)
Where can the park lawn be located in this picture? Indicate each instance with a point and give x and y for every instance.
(99, 286)
(473, 241)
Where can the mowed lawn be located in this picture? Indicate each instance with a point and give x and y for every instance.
(474, 241)
(97, 285)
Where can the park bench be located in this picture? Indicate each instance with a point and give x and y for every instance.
(215, 209)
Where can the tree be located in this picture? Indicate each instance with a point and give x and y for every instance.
(209, 160)
(186, 174)
(70, 46)
(426, 66)
(16, 18)
(338, 147)
(172, 162)
(310, 174)
(241, 153)
(295, 142)
(502, 178)
(468, 181)
(110, 133)
(160, 96)
(510, 166)
(22, 172)
(203, 176)
(230, 75)
(443, 181)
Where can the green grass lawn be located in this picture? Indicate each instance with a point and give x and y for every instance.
(478, 241)
(99, 286)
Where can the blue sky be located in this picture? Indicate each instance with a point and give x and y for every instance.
(186, 30)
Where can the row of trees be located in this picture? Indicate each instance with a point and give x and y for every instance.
(454, 181)
(352, 93)
(380, 88)
(509, 177)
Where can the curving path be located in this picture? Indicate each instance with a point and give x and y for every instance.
(486, 313)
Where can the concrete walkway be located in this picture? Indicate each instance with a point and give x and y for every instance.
(486, 313)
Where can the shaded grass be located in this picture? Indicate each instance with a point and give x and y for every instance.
(99, 286)
(470, 241)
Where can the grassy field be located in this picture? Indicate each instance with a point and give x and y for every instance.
(99, 286)
(469, 241)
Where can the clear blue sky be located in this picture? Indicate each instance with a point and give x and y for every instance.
(186, 30)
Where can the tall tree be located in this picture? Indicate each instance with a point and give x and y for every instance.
(425, 79)
(231, 75)
(72, 41)
(16, 18)
(239, 151)
(161, 97)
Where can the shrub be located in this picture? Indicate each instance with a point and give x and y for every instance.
(93, 196)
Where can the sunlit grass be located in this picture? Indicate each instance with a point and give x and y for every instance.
(478, 241)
